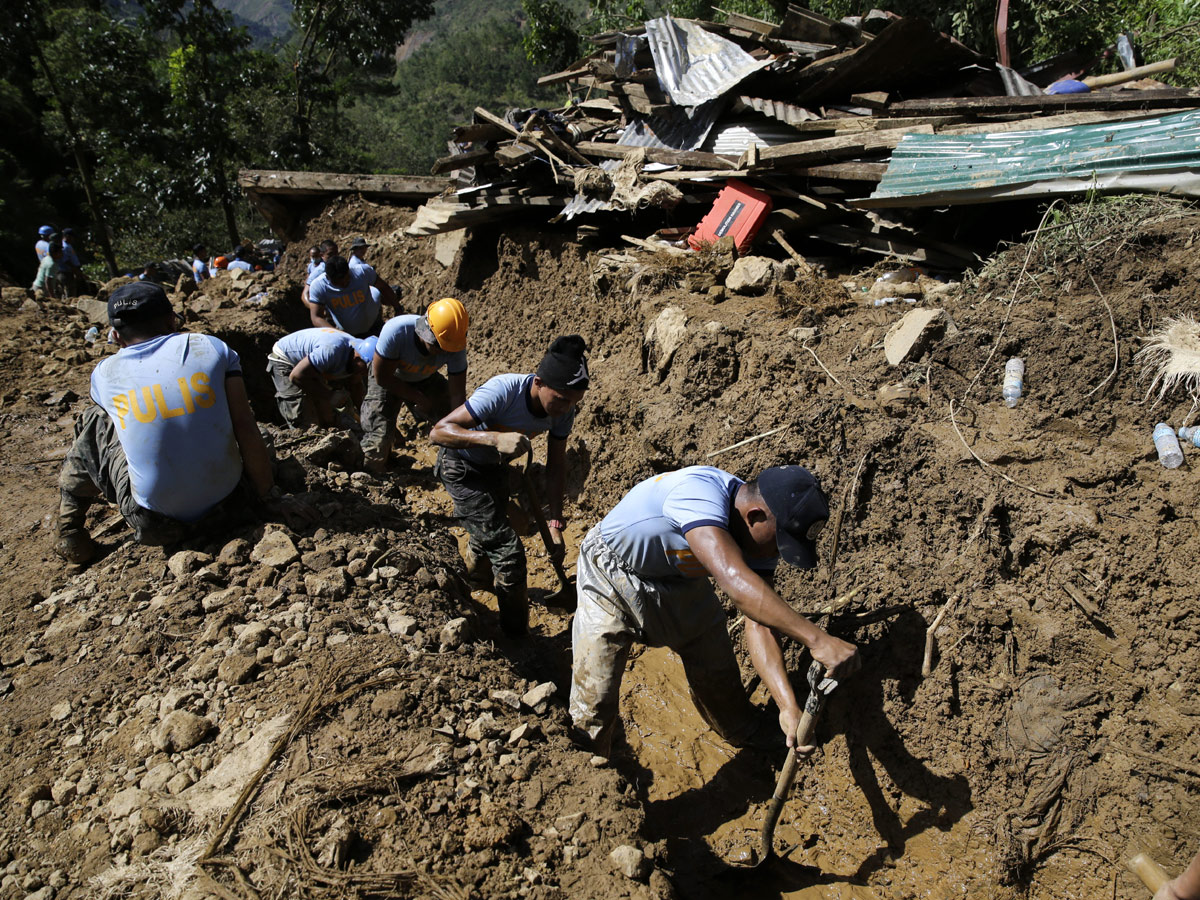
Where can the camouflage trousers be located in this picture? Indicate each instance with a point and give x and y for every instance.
(96, 466)
(380, 408)
(480, 495)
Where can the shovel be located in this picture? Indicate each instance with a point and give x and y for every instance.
(820, 687)
(564, 597)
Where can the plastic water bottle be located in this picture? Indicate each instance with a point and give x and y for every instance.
(1014, 381)
(1190, 433)
(92, 335)
(1167, 445)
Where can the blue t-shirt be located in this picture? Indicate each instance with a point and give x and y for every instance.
(42, 248)
(399, 341)
(70, 257)
(199, 269)
(648, 528)
(352, 308)
(503, 403)
(166, 398)
(328, 349)
(241, 264)
(315, 271)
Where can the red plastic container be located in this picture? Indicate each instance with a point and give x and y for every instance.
(738, 213)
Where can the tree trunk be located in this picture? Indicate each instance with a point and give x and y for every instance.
(101, 233)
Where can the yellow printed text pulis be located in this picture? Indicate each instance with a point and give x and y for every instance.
(154, 401)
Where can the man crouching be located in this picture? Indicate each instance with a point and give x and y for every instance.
(171, 434)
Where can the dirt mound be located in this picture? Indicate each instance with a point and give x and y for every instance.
(390, 751)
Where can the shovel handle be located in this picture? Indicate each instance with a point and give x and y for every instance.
(783, 784)
(543, 528)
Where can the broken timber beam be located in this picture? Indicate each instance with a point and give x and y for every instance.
(460, 161)
(691, 158)
(401, 187)
(830, 149)
(1159, 98)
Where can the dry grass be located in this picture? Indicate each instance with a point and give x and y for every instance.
(1170, 357)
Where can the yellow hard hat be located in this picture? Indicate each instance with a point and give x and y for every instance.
(448, 321)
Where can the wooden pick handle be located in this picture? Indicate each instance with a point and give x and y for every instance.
(1150, 872)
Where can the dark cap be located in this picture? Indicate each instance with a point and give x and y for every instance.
(141, 301)
(801, 510)
(358, 242)
(564, 367)
(196, 248)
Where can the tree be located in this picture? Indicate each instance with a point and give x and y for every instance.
(341, 32)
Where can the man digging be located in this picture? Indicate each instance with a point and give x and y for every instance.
(490, 428)
(643, 574)
(404, 370)
(305, 363)
(171, 439)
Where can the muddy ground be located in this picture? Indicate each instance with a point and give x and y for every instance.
(391, 750)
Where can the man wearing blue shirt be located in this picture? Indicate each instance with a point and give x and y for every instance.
(327, 250)
(42, 246)
(302, 365)
(643, 575)
(170, 434)
(340, 297)
(410, 351)
(493, 426)
(239, 261)
(199, 266)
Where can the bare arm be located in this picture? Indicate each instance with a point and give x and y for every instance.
(318, 316)
(306, 377)
(255, 457)
(1186, 886)
(386, 294)
(454, 431)
(458, 389)
(720, 555)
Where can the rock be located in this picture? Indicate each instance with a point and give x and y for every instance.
(237, 669)
(482, 728)
(186, 285)
(510, 699)
(527, 731)
(357, 568)
(42, 893)
(185, 562)
(251, 637)
(156, 779)
(803, 335)
(275, 549)
(176, 698)
(665, 336)
(214, 794)
(567, 825)
(181, 730)
(455, 633)
(235, 553)
(63, 791)
(146, 843)
(60, 711)
(238, 275)
(329, 584)
(336, 447)
(630, 862)
(95, 310)
(398, 623)
(180, 783)
(153, 817)
(125, 803)
(909, 337)
(751, 275)
(40, 808)
(61, 397)
(537, 698)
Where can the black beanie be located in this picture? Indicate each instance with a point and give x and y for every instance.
(564, 366)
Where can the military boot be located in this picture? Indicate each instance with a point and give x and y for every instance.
(74, 544)
(514, 609)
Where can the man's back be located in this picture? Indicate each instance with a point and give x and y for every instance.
(166, 397)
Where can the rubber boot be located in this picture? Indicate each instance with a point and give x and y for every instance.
(479, 569)
(514, 609)
(74, 544)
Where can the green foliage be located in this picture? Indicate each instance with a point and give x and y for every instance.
(551, 39)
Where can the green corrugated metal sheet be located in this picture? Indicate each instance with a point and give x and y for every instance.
(1159, 154)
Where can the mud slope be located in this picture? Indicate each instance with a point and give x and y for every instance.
(1056, 733)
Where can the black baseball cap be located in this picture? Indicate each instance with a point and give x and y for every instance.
(358, 242)
(140, 301)
(801, 510)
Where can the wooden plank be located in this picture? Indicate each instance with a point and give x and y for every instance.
(560, 77)
(691, 158)
(830, 149)
(1066, 120)
(755, 26)
(460, 161)
(1159, 98)
(856, 171)
(410, 187)
(871, 99)
(1158, 68)
(493, 119)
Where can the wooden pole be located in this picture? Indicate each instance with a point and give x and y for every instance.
(1150, 872)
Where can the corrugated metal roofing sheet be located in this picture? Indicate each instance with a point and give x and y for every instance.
(1159, 154)
(694, 65)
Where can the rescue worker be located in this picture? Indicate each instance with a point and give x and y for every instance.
(314, 259)
(50, 278)
(327, 249)
(410, 351)
(42, 246)
(239, 261)
(340, 297)
(302, 365)
(358, 251)
(170, 438)
(493, 426)
(199, 266)
(643, 575)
